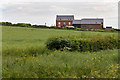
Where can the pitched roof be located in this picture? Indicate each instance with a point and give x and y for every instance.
(65, 17)
(91, 21)
(88, 21)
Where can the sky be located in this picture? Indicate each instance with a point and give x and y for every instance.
(45, 11)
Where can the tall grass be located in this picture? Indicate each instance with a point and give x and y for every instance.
(24, 55)
(57, 64)
(27, 51)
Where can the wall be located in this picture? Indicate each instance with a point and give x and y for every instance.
(62, 23)
(93, 26)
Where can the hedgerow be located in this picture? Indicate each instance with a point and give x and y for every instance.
(83, 45)
(57, 43)
(97, 30)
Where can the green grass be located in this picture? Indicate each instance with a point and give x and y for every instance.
(18, 36)
(24, 55)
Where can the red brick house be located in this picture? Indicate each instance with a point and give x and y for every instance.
(64, 20)
(86, 23)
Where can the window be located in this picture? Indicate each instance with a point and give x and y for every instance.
(58, 22)
(69, 23)
(84, 27)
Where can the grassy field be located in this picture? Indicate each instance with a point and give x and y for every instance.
(19, 45)
(17, 36)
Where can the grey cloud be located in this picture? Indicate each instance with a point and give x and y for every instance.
(41, 12)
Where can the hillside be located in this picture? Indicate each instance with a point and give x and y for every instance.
(24, 55)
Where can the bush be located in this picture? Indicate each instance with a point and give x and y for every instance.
(80, 29)
(113, 30)
(22, 24)
(56, 43)
(117, 30)
(6, 23)
(39, 26)
(52, 27)
(73, 45)
(83, 45)
(97, 45)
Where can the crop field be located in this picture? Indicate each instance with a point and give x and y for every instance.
(25, 55)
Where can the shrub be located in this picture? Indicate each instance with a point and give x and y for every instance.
(80, 29)
(52, 27)
(22, 24)
(87, 29)
(39, 26)
(56, 43)
(73, 45)
(117, 29)
(113, 30)
(83, 44)
(6, 23)
(97, 30)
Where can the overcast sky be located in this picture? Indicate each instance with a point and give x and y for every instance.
(41, 12)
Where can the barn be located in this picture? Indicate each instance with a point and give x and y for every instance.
(89, 23)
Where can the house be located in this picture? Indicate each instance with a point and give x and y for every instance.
(85, 23)
(64, 20)
(89, 23)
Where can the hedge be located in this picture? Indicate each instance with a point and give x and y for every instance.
(83, 45)
(6, 23)
(39, 26)
(22, 24)
(54, 27)
(97, 30)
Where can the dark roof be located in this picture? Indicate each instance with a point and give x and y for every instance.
(92, 21)
(109, 27)
(76, 21)
(88, 21)
(65, 17)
